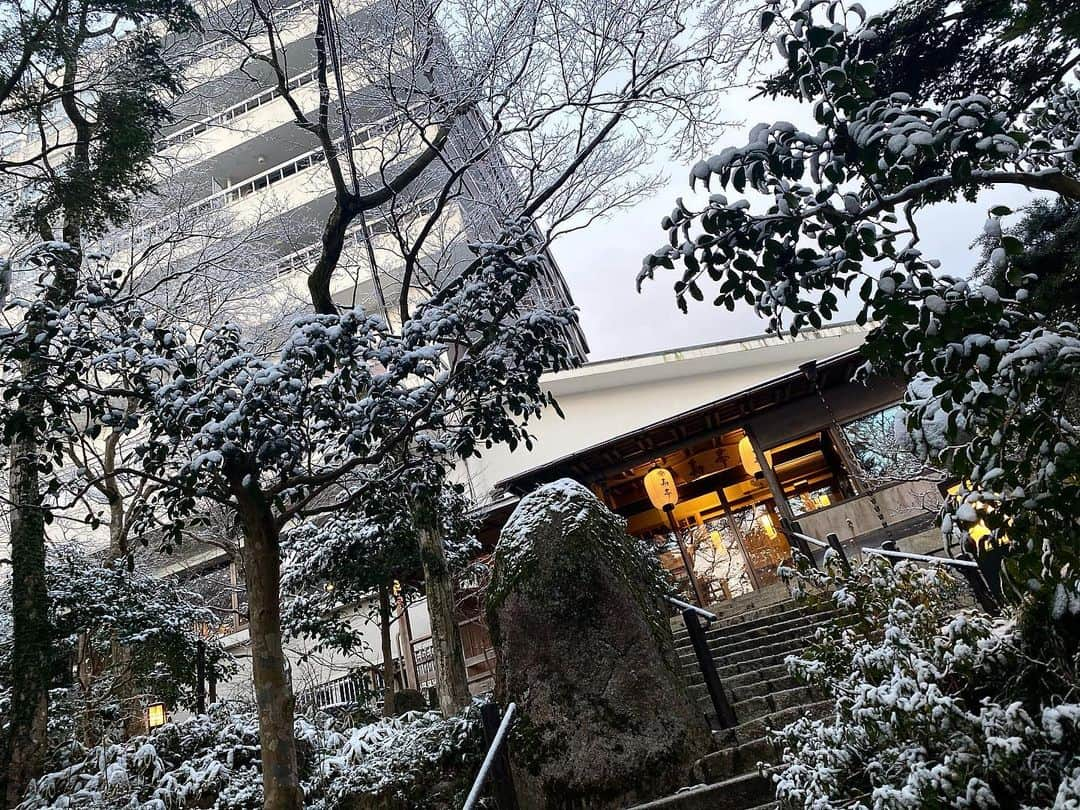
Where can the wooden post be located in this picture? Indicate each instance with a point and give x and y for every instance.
(792, 533)
(200, 677)
(755, 582)
(688, 564)
(410, 676)
(782, 506)
(979, 587)
(502, 781)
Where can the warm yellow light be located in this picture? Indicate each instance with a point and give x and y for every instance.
(747, 457)
(155, 715)
(978, 530)
(823, 500)
(765, 522)
(718, 542)
(660, 487)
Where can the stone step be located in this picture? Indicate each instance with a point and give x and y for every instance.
(803, 627)
(751, 685)
(744, 661)
(760, 726)
(751, 680)
(735, 760)
(802, 617)
(792, 612)
(734, 672)
(766, 704)
(738, 793)
(751, 614)
(755, 707)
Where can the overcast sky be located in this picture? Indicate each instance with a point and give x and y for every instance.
(601, 262)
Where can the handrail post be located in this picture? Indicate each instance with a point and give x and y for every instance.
(890, 545)
(725, 714)
(834, 544)
(979, 587)
(502, 781)
(791, 532)
(200, 677)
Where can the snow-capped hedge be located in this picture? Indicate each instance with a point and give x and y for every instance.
(935, 706)
(418, 760)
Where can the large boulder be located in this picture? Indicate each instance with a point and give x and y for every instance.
(584, 649)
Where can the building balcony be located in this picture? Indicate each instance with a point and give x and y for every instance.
(295, 30)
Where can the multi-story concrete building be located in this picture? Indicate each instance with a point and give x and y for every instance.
(235, 156)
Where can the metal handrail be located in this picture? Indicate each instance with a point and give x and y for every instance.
(489, 760)
(809, 539)
(696, 620)
(681, 605)
(968, 567)
(907, 555)
(262, 98)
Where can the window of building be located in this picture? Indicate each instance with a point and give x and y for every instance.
(880, 451)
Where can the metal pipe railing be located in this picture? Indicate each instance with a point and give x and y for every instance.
(907, 555)
(967, 566)
(681, 605)
(495, 749)
(808, 539)
(692, 616)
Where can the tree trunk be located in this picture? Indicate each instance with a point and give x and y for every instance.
(389, 670)
(333, 242)
(25, 747)
(273, 688)
(120, 659)
(445, 634)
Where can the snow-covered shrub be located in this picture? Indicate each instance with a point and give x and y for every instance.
(340, 560)
(127, 634)
(935, 706)
(418, 760)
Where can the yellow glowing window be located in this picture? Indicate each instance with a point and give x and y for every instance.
(979, 530)
(155, 715)
(718, 542)
(765, 522)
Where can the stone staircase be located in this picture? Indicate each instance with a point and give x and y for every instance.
(749, 642)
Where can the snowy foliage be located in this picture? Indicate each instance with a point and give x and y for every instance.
(97, 609)
(339, 561)
(935, 706)
(989, 373)
(85, 339)
(212, 761)
(347, 393)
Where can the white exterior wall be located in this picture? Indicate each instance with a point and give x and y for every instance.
(324, 666)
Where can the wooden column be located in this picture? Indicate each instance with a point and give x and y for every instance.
(782, 506)
(409, 676)
(733, 525)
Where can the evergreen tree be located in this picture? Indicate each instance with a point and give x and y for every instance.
(88, 99)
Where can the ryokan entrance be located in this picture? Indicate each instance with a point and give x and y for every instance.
(728, 515)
